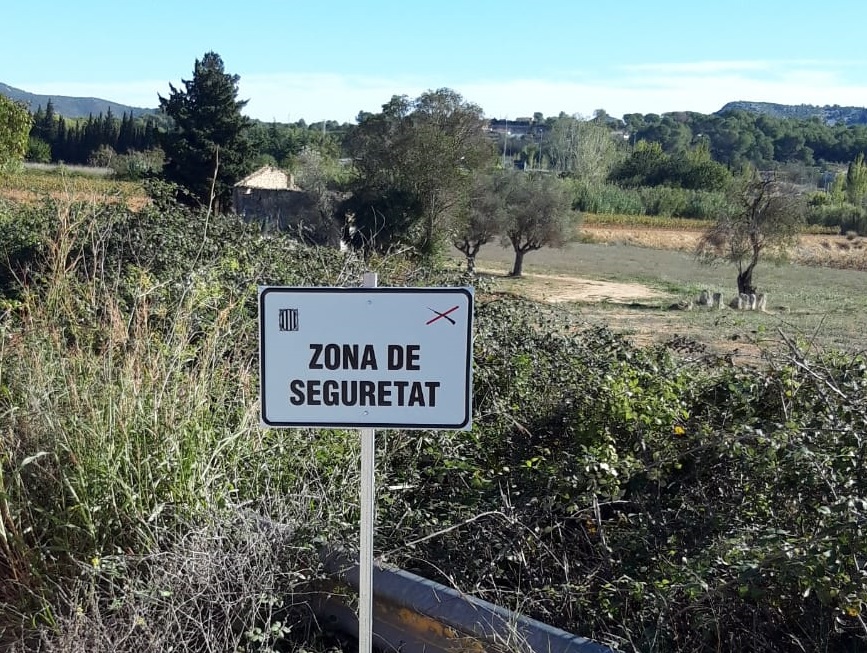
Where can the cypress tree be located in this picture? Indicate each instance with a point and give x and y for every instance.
(856, 180)
(148, 137)
(108, 131)
(126, 135)
(48, 127)
(59, 147)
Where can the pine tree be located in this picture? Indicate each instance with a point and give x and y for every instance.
(208, 144)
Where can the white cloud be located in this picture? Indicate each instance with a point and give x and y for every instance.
(706, 67)
(658, 88)
(702, 86)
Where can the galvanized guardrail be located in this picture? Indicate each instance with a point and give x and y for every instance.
(412, 614)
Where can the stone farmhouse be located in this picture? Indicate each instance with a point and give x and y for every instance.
(270, 198)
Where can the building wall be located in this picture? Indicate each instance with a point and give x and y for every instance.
(285, 210)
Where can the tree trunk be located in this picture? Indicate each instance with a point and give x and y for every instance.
(518, 268)
(745, 282)
(745, 276)
(471, 264)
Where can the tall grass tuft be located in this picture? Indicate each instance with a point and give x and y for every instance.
(660, 201)
(132, 465)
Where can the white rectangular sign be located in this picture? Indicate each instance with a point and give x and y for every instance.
(366, 357)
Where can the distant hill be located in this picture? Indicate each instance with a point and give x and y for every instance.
(71, 107)
(830, 115)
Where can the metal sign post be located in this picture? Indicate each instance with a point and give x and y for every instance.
(366, 358)
(368, 509)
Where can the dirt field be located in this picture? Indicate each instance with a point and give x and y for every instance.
(557, 288)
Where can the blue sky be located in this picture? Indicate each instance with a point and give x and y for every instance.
(333, 58)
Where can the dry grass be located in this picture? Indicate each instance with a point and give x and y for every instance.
(631, 288)
(32, 186)
(836, 251)
(137, 490)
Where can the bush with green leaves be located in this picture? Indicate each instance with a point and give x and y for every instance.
(140, 501)
(847, 217)
(23, 238)
(135, 165)
(649, 165)
(38, 151)
(657, 200)
(659, 499)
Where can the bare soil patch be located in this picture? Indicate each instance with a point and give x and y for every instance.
(637, 311)
(557, 288)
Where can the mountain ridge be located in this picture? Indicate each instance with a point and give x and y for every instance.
(70, 106)
(828, 114)
(81, 107)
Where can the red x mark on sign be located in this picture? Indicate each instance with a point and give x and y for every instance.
(444, 314)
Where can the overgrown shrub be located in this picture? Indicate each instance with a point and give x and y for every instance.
(847, 217)
(135, 164)
(231, 582)
(130, 444)
(128, 417)
(658, 499)
(23, 237)
(658, 200)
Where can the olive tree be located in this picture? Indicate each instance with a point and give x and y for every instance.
(538, 214)
(317, 175)
(481, 216)
(765, 218)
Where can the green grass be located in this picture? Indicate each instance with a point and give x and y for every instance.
(822, 305)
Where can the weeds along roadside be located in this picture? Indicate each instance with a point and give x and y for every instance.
(658, 498)
(131, 457)
(618, 492)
